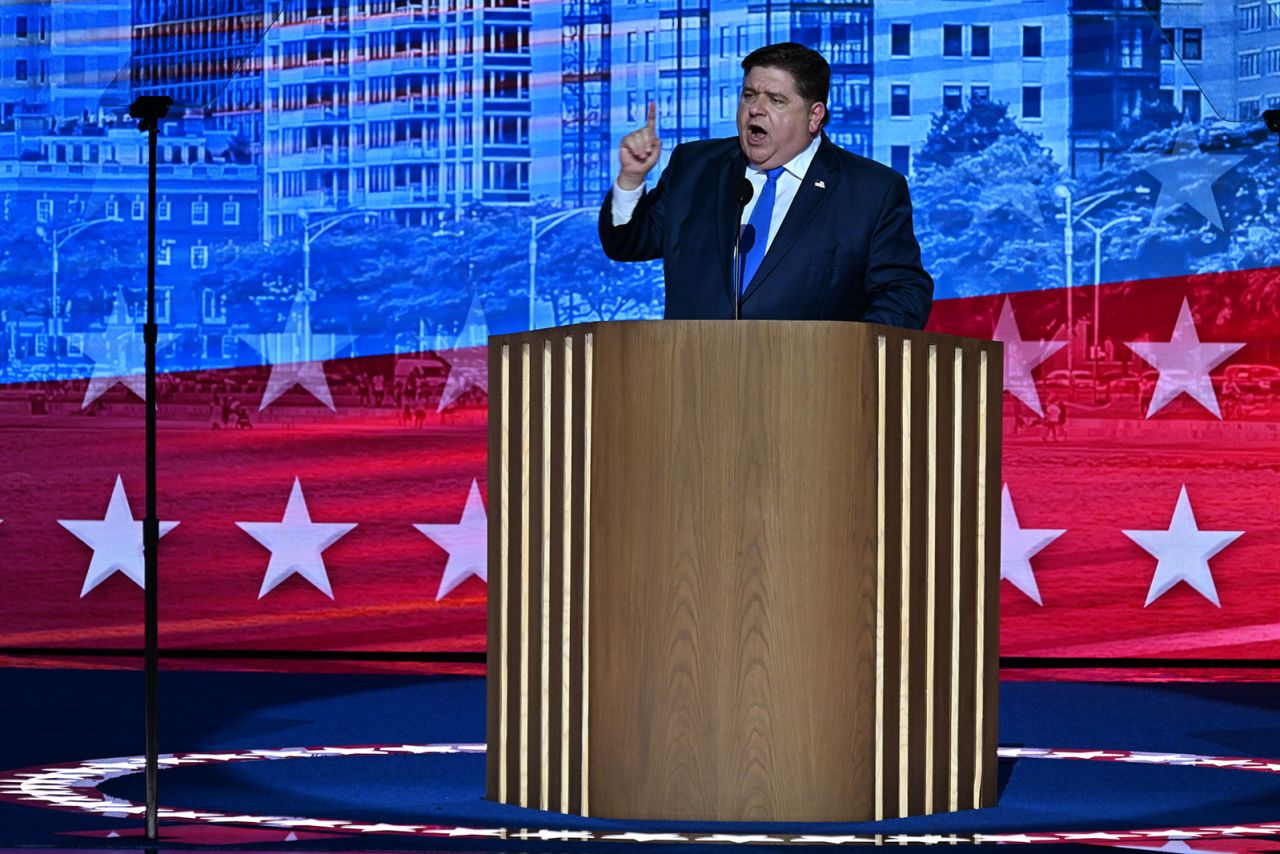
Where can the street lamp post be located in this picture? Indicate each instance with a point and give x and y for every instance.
(311, 232)
(548, 222)
(57, 237)
(1097, 274)
(1072, 216)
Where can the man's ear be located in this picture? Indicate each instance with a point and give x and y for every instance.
(817, 112)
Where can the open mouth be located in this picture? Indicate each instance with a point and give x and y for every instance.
(756, 135)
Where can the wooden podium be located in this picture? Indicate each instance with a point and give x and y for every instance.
(743, 571)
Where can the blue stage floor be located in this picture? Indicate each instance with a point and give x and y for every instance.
(342, 762)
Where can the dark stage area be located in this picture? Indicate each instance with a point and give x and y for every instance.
(381, 762)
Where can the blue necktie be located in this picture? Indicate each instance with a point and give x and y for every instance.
(761, 217)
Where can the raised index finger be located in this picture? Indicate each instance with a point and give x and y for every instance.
(653, 114)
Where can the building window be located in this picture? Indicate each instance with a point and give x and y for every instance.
(164, 253)
(900, 158)
(1192, 45)
(164, 299)
(20, 26)
(1251, 64)
(633, 107)
(137, 209)
(112, 209)
(1131, 49)
(44, 210)
(20, 69)
(1031, 106)
(952, 40)
(1249, 109)
(199, 212)
(230, 213)
(1273, 13)
(900, 100)
(980, 38)
(632, 46)
(1250, 18)
(1167, 37)
(901, 40)
(1191, 105)
(164, 210)
(1273, 60)
(979, 94)
(952, 98)
(1033, 41)
(199, 257)
(213, 306)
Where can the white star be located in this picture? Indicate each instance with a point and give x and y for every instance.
(383, 828)
(423, 748)
(116, 540)
(1239, 829)
(1159, 758)
(1083, 754)
(1184, 364)
(468, 361)
(466, 542)
(118, 353)
(297, 356)
(1018, 545)
(1096, 835)
(835, 840)
(737, 839)
(646, 837)
(467, 831)
(980, 838)
(296, 543)
(1187, 175)
(1020, 357)
(565, 834)
(1015, 752)
(1182, 552)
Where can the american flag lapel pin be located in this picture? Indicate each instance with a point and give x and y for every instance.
(821, 185)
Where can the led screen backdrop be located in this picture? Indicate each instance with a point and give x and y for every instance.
(358, 192)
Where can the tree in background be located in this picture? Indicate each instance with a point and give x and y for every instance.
(983, 198)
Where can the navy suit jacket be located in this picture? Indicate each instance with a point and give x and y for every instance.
(845, 251)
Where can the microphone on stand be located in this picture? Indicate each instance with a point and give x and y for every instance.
(744, 194)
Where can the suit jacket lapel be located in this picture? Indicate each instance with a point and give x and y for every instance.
(808, 201)
(728, 215)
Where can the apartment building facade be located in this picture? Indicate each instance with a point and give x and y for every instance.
(933, 56)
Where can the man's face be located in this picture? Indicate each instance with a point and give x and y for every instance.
(774, 122)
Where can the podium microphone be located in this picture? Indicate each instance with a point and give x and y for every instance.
(744, 194)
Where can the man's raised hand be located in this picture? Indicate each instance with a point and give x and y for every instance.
(639, 152)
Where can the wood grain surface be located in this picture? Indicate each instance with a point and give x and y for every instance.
(685, 562)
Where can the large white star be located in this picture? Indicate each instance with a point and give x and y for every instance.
(466, 542)
(468, 361)
(1182, 552)
(1020, 357)
(116, 540)
(1187, 175)
(1184, 364)
(119, 353)
(1018, 545)
(296, 544)
(297, 356)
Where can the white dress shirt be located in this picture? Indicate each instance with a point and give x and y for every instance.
(625, 201)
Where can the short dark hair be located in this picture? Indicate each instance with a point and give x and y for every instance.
(811, 72)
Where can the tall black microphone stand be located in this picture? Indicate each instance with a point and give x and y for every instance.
(149, 110)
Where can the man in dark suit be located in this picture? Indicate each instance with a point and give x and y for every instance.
(826, 234)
